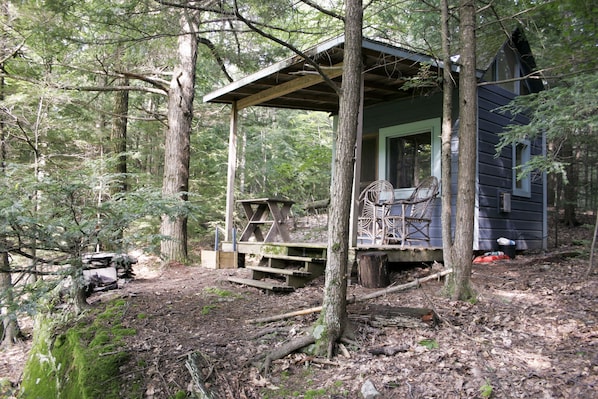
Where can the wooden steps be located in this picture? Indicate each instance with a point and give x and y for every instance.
(283, 272)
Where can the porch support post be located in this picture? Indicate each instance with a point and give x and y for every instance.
(232, 168)
(357, 172)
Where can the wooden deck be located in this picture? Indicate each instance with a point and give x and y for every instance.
(395, 253)
(285, 266)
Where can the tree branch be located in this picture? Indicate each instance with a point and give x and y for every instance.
(307, 59)
(208, 43)
(323, 10)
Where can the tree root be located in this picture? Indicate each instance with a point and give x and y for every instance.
(286, 349)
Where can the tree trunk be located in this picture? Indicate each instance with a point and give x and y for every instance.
(448, 85)
(334, 311)
(118, 135)
(458, 284)
(118, 142)
(9, 327)
(571, 156)
(177, 143)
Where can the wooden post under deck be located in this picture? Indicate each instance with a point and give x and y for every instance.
(232, 169)
(356, 173)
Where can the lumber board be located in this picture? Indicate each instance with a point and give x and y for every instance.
(265, 285)
(276, 270)
(294, 258)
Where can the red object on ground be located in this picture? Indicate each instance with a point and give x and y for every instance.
(489, 258)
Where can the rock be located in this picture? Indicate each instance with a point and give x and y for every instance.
(369, 391)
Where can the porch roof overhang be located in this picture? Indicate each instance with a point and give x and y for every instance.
(294, 83)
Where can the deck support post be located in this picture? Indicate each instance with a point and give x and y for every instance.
(232, 169)
(356, 172)
(373, 270)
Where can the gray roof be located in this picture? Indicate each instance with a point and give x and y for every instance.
(294, 83)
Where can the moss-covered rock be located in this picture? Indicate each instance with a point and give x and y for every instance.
(78, 358)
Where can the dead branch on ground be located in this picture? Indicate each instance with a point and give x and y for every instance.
(376, 294)
(192, 365)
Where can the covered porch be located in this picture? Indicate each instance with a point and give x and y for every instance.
(294, 83)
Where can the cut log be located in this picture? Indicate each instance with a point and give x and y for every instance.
(373, 270)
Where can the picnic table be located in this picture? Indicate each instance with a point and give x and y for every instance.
(266, 213)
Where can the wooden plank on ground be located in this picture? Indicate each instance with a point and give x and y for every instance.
(265, 285)
(275, 270)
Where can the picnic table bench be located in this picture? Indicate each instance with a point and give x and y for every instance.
(266, 213)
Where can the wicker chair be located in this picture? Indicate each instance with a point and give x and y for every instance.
(374, 204)
(413, 223)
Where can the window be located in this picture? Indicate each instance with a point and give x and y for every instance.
(409, 159)
(409, 153)
(521, 156)
(506, 68)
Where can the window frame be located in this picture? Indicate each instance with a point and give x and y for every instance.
(432, 126)
(526, 184)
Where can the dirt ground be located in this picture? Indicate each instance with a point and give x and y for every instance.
(532, 333)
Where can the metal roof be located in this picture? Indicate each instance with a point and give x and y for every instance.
(294, 83)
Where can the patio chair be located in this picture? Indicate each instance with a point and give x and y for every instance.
(413, 221)
(374, 204)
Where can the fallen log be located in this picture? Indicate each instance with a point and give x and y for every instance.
(316, 205)
(391, 316)
(386, 291)
(198, 380)
(388, 350)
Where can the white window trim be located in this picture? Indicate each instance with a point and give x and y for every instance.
(526, 190)
(429, 125)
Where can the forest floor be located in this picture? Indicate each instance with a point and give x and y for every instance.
(531, 333)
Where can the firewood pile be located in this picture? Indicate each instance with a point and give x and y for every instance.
(103, 270)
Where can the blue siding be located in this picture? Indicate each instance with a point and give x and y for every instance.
(524, 223)
(406, 111)
(400, 112)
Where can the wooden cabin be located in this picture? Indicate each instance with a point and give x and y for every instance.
(399, 138)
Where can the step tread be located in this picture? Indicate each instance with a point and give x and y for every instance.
(266, 285)
(275, 270)
(294, 258)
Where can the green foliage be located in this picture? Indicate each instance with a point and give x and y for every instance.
(221, 293)
(207, 309)
(79, 358)
(568, 112)
(486, 390)
(429, 343)
(289, 154)
(53, 220)
(6, 388)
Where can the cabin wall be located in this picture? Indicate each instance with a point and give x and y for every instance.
(525, 222)
(399, 113)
